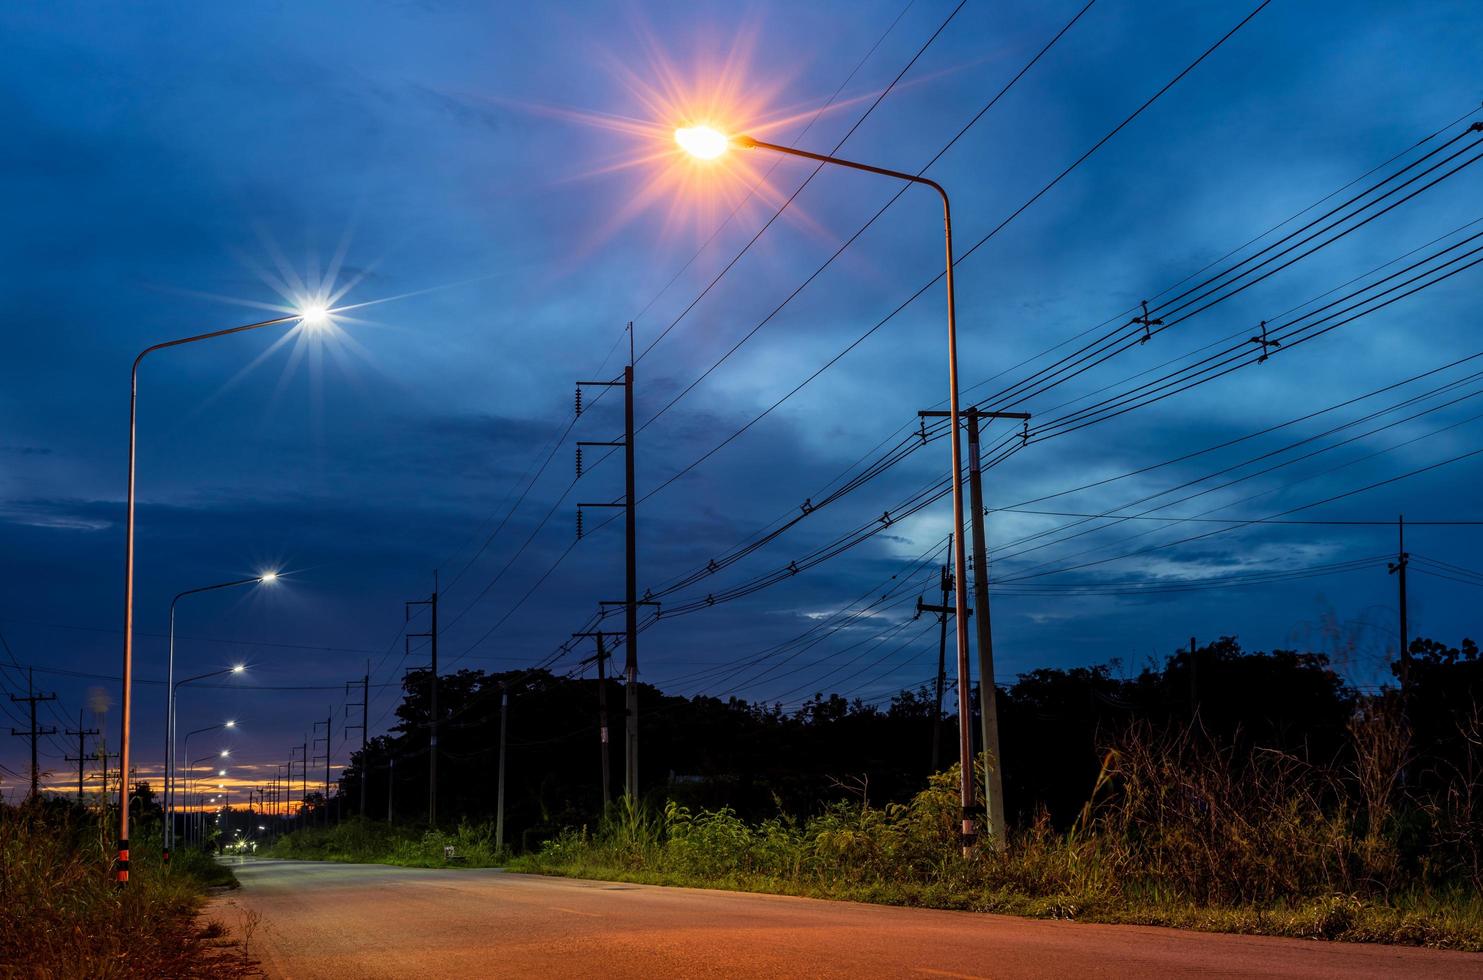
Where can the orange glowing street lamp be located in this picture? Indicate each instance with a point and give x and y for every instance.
(312, 314)
(705, 142)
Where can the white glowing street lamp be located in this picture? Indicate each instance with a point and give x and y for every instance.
(708, 143)
(168, 841)
(313, 315)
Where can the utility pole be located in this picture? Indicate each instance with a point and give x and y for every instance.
(943, 611)
(631, 601)
(325, 805)
(602, 705)
(82, 755)
(390, 785)
(499, 812)
(1194, 681)
(1398, 569)
(432, 742)
(364, 705)
(988, 699)
(33, 733)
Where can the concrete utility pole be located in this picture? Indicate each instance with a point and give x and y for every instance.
(82, 755)
(631, 601)
(364, 705)
(943, 611)
(988, 690)
(33, 733)
(499, 812)
(602, 705)
(1398, 569)
(432, 741)
(390, 785)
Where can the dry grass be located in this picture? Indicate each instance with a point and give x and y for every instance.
(62, 918)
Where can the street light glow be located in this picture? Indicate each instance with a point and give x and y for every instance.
(239, 668)
(230, 724)
(314, 314)
(225, 753)
(702, 142)
(267, 578)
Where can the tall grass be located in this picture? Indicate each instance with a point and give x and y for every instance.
(1179, 831)
(62, 917)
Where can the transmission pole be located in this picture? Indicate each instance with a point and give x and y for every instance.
(82, 755)
(631, 601)
(33, 733)
(432, 752)
(390, 786)
(364, 705)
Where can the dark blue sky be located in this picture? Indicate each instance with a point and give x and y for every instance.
(166, 165)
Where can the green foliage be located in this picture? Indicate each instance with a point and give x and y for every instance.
(55, 868)
(359, 841)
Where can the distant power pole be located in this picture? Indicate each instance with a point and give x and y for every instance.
(33, 733)
(602, 705)
(943, 611)
(1398, 569)
(631, 601)
(499, 812)
(432, 741)
(390, 785)
(364, 705)
(82, 756)
(325, 806)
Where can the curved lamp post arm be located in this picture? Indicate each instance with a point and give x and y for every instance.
(960, 550)
(126, 712)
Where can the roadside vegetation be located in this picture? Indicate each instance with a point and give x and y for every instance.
(359, 841)
(61, 916)
(1214, 789)
(1179, 831)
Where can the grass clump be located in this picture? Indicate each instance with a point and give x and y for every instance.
(61, 915)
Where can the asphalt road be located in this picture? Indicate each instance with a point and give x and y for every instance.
(370, 921)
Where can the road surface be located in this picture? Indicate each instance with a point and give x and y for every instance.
(371, 921)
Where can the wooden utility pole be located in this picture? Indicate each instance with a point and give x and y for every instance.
(82, 755)
(33, 733)
(602, 705)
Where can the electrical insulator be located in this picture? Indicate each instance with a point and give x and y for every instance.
(579, 460)
(579, 400)
(579, 524)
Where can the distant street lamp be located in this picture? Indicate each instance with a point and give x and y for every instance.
(707, 143)
(312, 315)
(170, 724)
(190, 765)
(169, 835)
